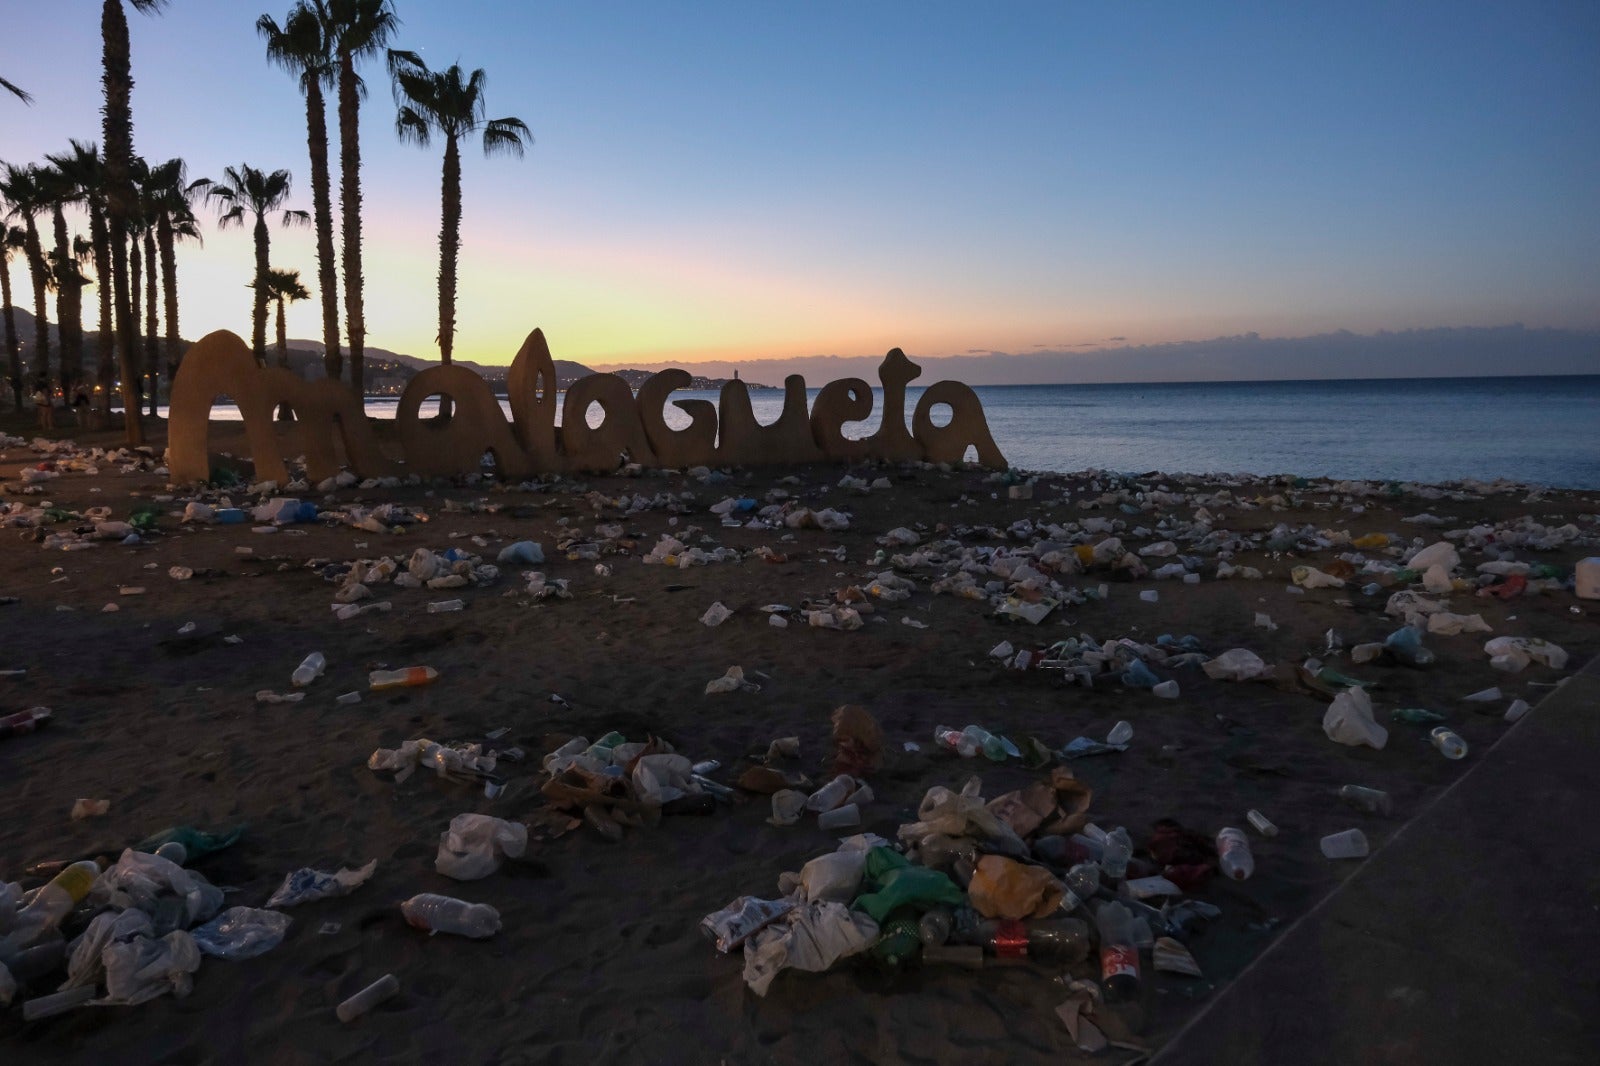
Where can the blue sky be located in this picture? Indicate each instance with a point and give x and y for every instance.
(759, 180)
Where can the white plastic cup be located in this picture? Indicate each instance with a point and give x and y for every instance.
(1350, 844)
(1167, 690)
(1261, 823)
(840, 817)
(1517, 709)
(1120, 733)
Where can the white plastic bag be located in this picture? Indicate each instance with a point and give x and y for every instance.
(138, 879)
(305, 884)
(835, 876)
(476, 844)
(242, 933)
(1236, 664)
(142, 969)
(1349, 720)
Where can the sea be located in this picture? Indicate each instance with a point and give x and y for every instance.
(1539, 430)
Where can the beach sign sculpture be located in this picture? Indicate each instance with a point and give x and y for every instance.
(726, 433)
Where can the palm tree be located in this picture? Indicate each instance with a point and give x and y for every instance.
(26, 199)
(16, 91)
(169, 196)
(83, 166)
(135, 270)
(117, 132)
(246, 190)
(11, 240)
(355, 29)
(301, 48)
(284, 287)
(60, 190)
(441, 102)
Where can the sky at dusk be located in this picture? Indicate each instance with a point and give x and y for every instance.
(743, 181)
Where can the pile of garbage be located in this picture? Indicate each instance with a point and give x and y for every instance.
(615, 784)
(1024, 875)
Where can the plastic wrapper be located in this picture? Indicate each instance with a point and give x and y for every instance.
(242, 933)
(736, 922)
(1004, 888)
(306, 884)
(896, 883)
(835, 876)
(476, 844)
(1237, 664)
(662, 778)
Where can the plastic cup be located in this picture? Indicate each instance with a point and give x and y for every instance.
(840, 817)
(1350, 844)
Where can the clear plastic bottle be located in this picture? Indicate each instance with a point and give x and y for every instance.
(1233, 854)
(50, 905)
(935, 926)
(1119, 957)
(309, 670)
(1119, 849)
(444, 914)
(975, 738)
(410, 677)
(1449, 742)
(1050, 940)
(1370, 800)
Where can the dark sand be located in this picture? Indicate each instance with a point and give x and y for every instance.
(600, 957)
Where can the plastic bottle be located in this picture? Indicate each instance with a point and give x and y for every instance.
(309, 670)
(58, 1003)
(368, 997)
(947, 737)
(444, 914)
(1119, 849)
(935, 926)
(1083, 881)
(899, 941)
(50, 905)
(1261, 823)
(445, 606)
(174, 852)
(1052, 940)
(1233, 854)
(1405, 645)
(410, 677)
(1119, 958)
(975, 738)
(1449, 743)
(1369, 800)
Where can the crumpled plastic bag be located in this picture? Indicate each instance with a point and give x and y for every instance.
(1447, 624)
(958, 814)
(731, 925)
(732, 681)
(661, 778)
(1005, 888)
(811, 939)
(1518, 652)
(1349, 720)
(305, 884)
(835, 876)
(84, 965)
(1236, 664)
(138, 879)
(476, 844)
(404, 760)
(1309, 577)
(1442, 553)
(242, 933)
(857, 741)
(142, 969)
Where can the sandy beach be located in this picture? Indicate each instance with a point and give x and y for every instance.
(600, 956)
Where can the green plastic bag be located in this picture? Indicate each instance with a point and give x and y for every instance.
(196, 842)
(897, 883)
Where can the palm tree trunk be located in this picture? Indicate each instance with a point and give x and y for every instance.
(69, 304)
(350, 205)
(117, 132)
(41, 321)
(13, 346)
(135, 261)
(283, 337)
(169, 288)
(152, 356)
(449, 252)
(106, 341)
(322, 211)
(258, 321)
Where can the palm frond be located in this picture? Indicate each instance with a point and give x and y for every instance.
(297, 218)
(16, 90)
(506, 135)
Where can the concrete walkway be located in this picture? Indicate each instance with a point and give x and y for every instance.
(1472, 936)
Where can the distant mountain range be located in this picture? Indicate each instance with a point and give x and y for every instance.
(386, 372)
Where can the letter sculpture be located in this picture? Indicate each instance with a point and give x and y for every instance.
(725, 433)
